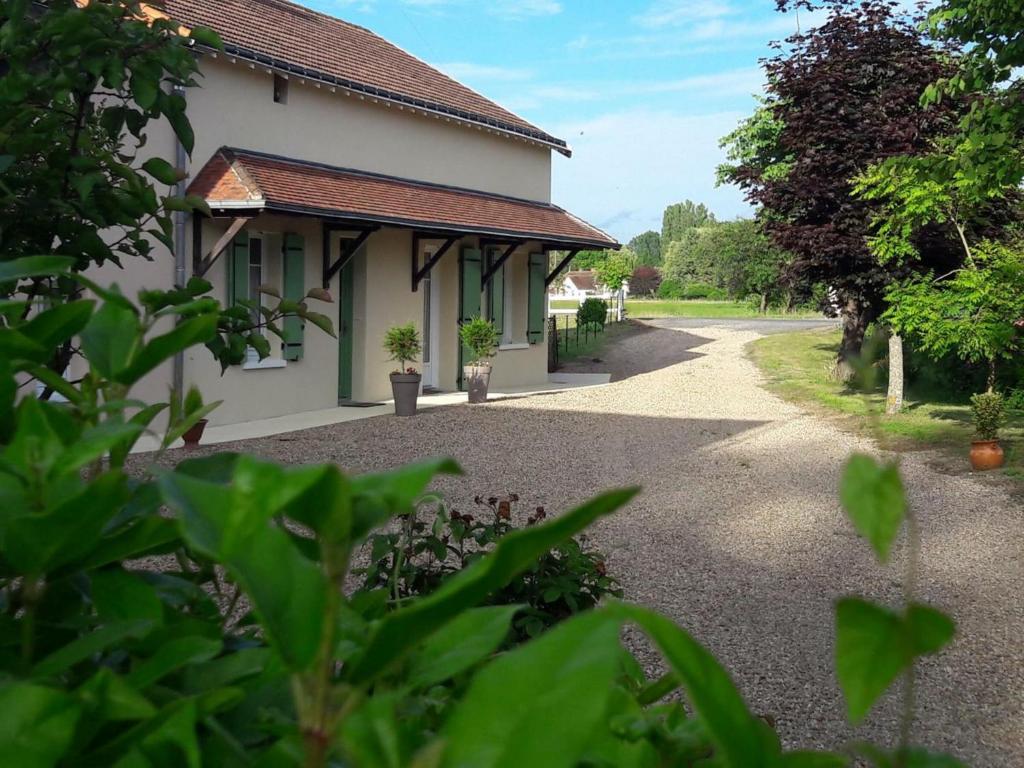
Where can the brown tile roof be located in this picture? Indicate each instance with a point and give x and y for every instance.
(235, 178)
(286, 36)
(584, 280)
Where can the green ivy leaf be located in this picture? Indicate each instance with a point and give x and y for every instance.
(873, 497)
(37, 727)
(541, 704)
(464, 642)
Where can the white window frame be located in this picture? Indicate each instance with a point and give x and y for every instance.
(252, 359)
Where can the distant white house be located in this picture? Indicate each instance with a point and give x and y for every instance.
(582, 285)
(579, 285)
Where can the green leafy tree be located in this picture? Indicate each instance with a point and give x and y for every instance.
(615, 270)
(679, 218)
(82, 84)
(589, 259)
(647, 247)
(990, 34)
(971, 312)
(754, 149)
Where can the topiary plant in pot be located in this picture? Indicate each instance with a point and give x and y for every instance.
(480, 338)
(402, 343)
(989, 409)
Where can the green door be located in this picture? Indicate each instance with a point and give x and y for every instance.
(346, 298)
(470, 286)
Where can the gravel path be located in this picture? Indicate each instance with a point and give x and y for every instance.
(738, 535)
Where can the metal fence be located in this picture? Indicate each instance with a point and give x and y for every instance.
(564, 334)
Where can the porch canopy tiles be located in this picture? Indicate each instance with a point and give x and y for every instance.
(240, 183)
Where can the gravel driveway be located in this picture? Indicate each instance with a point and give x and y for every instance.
(738, 535)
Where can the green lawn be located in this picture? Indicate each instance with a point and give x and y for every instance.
(797, 366)
(641, 308)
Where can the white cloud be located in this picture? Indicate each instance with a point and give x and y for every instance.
(672, 13)
(627, 166)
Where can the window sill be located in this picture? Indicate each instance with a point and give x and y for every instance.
(265, 364)
(512, 346)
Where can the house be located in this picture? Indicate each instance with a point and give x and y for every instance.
(330, 157)
(580, 285)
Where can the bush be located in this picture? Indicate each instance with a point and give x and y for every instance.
(481, 338)
(592, 312)
(402, 343)
(703, 291)
(433, 543)
(989, 409)
(670, 288)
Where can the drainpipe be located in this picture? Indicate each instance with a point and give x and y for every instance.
(180, 162)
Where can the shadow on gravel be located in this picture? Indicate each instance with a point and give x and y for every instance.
(645, 350)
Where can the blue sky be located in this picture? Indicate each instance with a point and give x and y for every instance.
(641, 89)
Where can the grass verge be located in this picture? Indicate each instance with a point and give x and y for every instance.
(796, 366)
(643, 308)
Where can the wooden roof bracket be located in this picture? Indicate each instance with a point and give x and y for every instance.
(485, 279)
(347, 248)
(418, 273)
(201, 265)
(561, 266)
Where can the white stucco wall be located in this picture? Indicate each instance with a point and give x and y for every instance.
(234, 107)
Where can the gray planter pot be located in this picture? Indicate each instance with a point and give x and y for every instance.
(477, 378)
(406, 388)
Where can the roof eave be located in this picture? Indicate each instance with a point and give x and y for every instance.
(439, 226)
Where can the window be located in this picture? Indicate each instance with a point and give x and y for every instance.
(280, 89)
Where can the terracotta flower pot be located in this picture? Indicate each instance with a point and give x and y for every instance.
(986, 454)
(477, 379)
(406, 388)
(194, 434)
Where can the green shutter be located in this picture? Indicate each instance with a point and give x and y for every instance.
(294, 256)
(535, 311)
(470, 286)
(238, 268)
(496, 293)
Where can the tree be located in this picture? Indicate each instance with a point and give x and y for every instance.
(972, 312)
(755, 146)
(615, 270)
(681, 217)
(647, 247)
(841, 97)
(644, 281)
(589, 259)
(990, 34)
(734, 256)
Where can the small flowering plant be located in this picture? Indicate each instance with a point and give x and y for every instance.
(436, 541)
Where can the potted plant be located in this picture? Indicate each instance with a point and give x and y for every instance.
(402, 343)
(480, 337)
(989, 410)
(193, 404)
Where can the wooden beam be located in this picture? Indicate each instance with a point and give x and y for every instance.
(348, 248)
(419, 273)
(490, 273)
(558, 270)
(218, 248)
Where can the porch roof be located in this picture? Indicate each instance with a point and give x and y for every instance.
(242, 180)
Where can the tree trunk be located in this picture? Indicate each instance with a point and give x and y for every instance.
(764, 303)
(894, 399)
(991, 374)
(855, 319)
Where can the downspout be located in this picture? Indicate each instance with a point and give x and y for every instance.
(180, 163)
